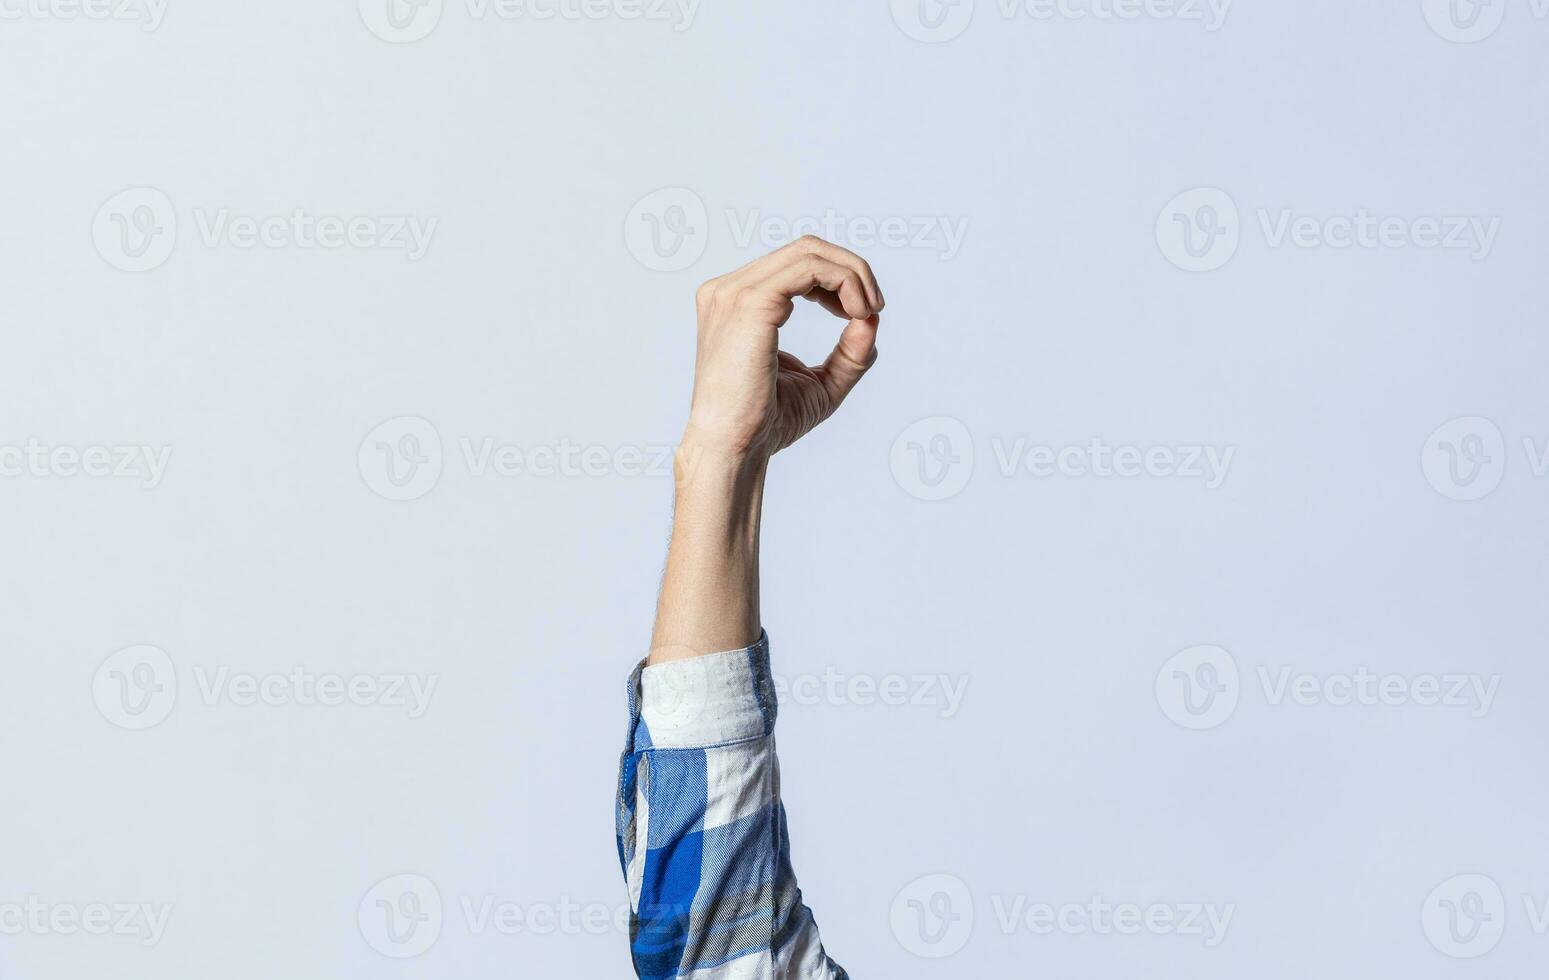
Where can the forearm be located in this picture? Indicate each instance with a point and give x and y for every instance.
(709, 593)
(701, 829)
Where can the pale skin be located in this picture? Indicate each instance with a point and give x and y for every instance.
(750, 401)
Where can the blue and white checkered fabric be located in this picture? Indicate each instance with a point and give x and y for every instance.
(701, 830)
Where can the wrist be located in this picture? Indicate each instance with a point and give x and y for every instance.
(709, 468)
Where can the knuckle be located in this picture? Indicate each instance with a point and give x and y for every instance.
(854, 362)
(810, 242)
(715, 295)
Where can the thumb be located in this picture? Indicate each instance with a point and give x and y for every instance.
(851, 358)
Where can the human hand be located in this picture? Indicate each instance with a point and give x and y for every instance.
(752, 399)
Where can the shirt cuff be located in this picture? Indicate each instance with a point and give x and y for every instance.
(703, 701)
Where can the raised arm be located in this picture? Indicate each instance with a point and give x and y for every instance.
(702, 832)
(750, 401)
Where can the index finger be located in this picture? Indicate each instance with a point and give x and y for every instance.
(840, 255)
(766, 266)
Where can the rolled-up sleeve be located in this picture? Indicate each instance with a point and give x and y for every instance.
(702, 833)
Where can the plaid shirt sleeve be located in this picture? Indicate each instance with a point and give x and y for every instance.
(701, 829)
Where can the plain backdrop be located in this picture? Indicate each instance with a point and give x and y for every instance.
(925, 833)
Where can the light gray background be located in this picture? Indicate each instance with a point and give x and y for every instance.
(1059, 599)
